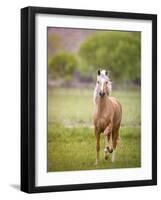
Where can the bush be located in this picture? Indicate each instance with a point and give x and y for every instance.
(62, 65)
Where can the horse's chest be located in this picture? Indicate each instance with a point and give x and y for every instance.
(102, 117)
(102, 122)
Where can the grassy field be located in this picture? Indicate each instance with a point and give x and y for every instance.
(71, 141)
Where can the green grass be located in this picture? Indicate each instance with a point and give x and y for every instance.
(71, 141)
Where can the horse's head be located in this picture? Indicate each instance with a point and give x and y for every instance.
(103, 85)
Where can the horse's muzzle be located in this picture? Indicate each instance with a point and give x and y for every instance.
(102, 94)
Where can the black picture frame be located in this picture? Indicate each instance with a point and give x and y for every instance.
(28, 98)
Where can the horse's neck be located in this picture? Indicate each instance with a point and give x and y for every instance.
(101, 104)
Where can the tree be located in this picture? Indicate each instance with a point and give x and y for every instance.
(62, 65)
(119, 52)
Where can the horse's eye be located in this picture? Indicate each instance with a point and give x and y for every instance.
(106, 82)
(98, 82)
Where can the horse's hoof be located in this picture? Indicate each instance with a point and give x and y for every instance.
(110, 150)
(96, 163)
(106, 157)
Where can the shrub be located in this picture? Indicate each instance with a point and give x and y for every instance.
(62, 65)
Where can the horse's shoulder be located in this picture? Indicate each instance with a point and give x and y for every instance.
(114, 101)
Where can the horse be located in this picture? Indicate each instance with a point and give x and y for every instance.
(107, 115)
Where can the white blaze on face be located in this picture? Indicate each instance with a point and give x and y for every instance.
(102, 83)
(101, 79)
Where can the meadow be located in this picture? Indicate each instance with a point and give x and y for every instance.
(71, 139)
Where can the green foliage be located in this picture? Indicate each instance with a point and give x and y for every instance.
(62, 65)
(119, 52)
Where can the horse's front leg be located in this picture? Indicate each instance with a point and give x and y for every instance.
(108, 141)
(97, 134)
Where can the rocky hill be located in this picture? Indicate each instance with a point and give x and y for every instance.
(71, 38)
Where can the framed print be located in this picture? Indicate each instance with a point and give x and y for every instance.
(88, 99)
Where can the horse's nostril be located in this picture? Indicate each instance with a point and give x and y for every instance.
(101, 94)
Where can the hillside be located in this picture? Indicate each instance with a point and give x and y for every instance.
(71, 38)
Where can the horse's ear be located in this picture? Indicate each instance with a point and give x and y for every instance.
(106, 73)
(98, 72)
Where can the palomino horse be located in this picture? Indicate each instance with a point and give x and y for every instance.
(107, 115)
